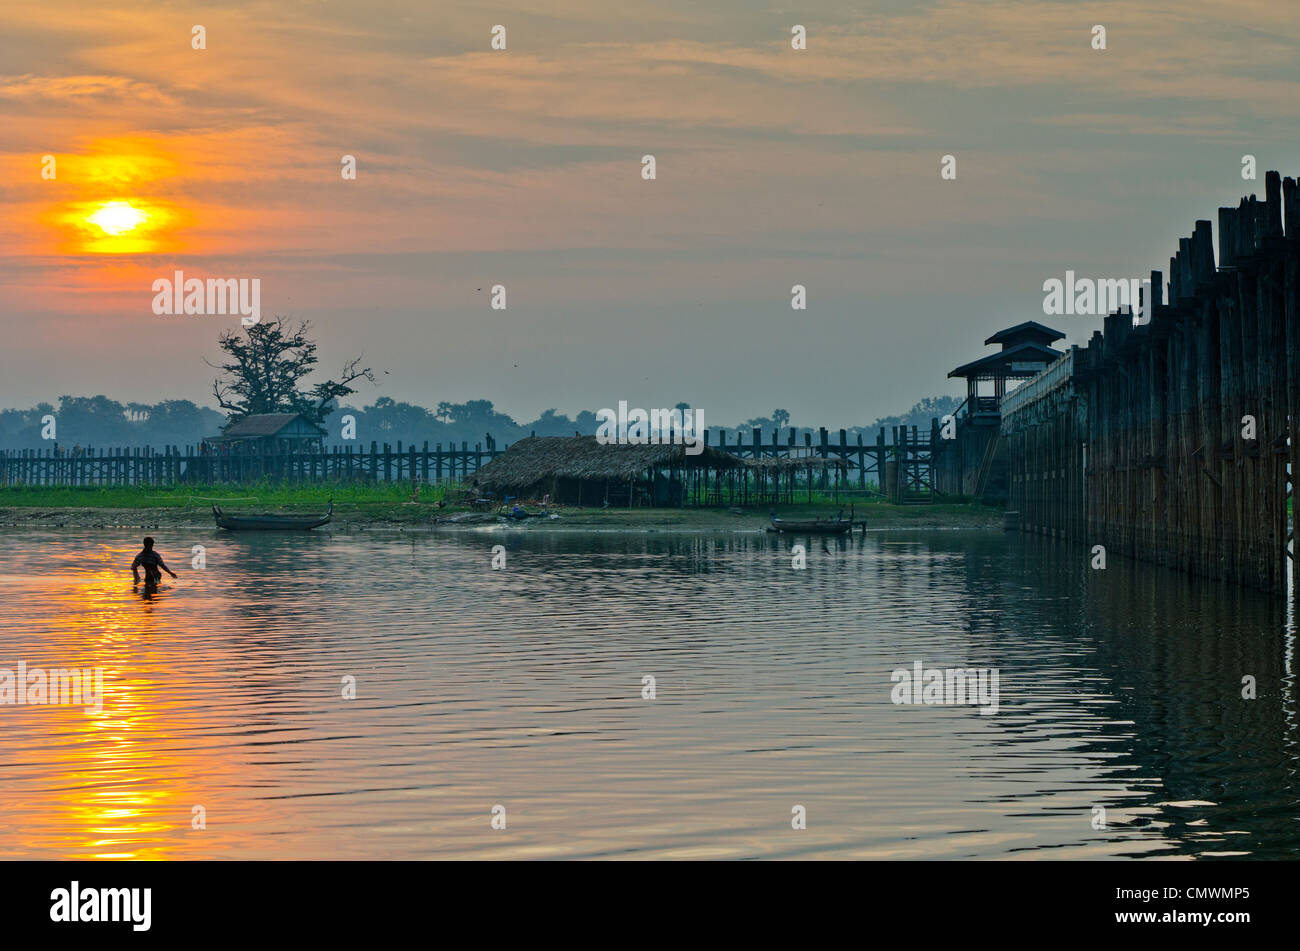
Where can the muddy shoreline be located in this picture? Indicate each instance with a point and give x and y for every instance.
(407, 518)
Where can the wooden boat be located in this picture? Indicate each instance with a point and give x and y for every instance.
(828, 527)
(269, 523)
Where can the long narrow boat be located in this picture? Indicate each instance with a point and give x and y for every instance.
(270, 523)
(828, 527)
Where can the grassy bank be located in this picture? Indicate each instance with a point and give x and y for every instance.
(361, 506)
(264, 494)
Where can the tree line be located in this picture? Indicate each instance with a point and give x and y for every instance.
(102, 422)
(265, 370)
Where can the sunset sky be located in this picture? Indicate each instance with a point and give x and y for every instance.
(522, 167)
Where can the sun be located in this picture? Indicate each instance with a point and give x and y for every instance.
(131, 224)
(117, 217)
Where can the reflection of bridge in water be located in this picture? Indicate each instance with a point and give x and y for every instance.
(1120, 688)
(1159, 658)
(1130, 679)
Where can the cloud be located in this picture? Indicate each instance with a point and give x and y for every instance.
(79, 89)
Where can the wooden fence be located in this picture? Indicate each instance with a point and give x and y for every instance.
(386, 463)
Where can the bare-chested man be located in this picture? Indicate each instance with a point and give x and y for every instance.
(151, 561)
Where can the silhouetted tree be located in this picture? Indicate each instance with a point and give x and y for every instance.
(267, 368)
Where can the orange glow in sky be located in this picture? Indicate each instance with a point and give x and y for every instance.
(130, 225)
(109, 205)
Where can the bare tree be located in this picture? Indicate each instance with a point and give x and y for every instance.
(267, 369)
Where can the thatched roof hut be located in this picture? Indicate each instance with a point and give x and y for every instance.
(579, 470)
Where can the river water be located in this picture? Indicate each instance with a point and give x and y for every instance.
(225, 733)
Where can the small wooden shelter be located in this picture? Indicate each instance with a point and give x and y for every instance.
(578, 470)
(270, 433)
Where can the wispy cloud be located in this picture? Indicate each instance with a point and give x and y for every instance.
(82, 90)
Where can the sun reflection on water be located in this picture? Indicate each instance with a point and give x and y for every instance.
(117, 782)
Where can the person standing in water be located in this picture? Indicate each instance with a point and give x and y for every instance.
(151, 561)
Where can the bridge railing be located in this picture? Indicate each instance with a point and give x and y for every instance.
(1035, 388)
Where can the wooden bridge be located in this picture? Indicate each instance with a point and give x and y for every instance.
(899, 468)
(1173, 440)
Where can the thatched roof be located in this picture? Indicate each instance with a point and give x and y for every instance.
(538, 458)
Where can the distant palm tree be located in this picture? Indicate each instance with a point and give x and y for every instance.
(682, 409)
